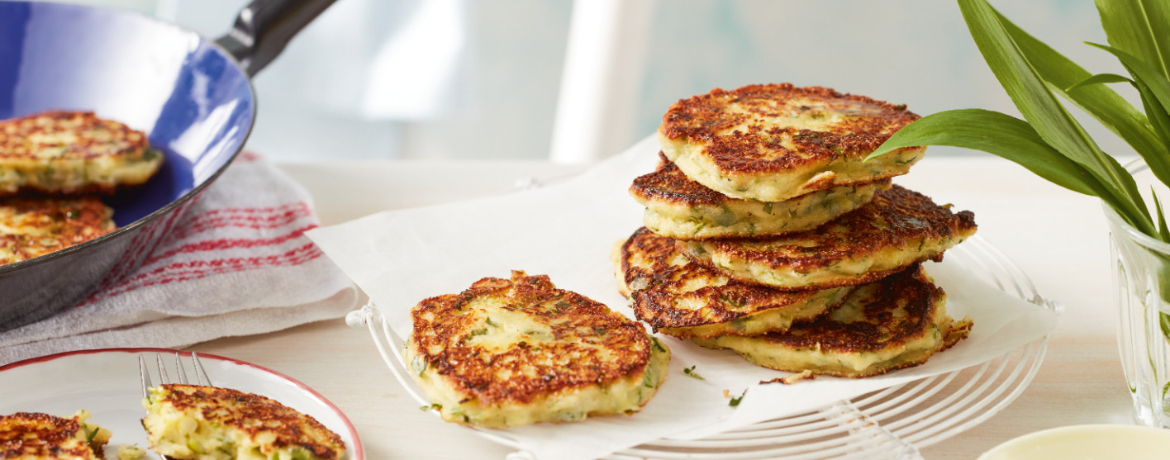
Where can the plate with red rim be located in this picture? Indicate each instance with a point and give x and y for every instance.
(106, 383)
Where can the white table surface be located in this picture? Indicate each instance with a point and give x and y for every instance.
(1059, 238)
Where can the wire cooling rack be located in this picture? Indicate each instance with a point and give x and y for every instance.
(892, 423)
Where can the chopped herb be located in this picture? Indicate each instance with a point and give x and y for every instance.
(430, 407)
(657, 346)
(91, 435)
(690, 372)
(768, 208)
(491, 323)
(735, 401)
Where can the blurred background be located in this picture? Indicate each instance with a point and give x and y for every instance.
(533, 79)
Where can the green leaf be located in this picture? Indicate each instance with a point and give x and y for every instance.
(1104, 104)
(997, 134)
(1140, 28)
(1157, 115)
(1162, 230)
(1098, 79)
(1155, 91)
(1039, 106)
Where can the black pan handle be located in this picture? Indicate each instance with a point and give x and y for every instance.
(264, 27)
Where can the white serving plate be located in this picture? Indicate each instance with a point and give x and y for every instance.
(106, 382)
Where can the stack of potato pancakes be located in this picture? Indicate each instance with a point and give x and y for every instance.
(768, 233)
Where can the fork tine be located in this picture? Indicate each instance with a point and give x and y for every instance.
(182, 372)
(200, 374)
(145, 376)
(162, 370)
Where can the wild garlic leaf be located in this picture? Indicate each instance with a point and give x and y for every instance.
(1098, 79)
(1155, 91)
(997, 134)
(1158, 118)
(1100, 101)
(1140, 28)
(1162, 230)
(1038, 105)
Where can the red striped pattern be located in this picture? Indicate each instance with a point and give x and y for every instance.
(210, 242)
(196, 269)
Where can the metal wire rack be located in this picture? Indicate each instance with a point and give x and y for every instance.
(892, 423)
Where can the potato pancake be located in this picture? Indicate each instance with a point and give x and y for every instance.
(898, 228)
(894, 323)
(511, 352)
(32, 227)
(685, 299)
(776, 142)
(64, 152)
(679, 207)
(210, 423)
(36, 436)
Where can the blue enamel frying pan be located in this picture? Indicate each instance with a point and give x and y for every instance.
(192, 96)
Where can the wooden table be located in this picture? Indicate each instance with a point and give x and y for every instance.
(1059, 238)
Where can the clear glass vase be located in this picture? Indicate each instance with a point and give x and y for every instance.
(1142, 284)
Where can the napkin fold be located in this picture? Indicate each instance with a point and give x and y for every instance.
(237, 264)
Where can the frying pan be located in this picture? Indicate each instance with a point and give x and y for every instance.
(192, 96)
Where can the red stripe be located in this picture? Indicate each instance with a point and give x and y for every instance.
(248, 157)
(196, 269)
(228, 243)
(252, 218)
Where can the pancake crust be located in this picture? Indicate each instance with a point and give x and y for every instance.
(898, 228)
(684, 299)
(72, 152)
(775, 142)
(894, 323)
(681, 208)
(205, 423)
(37, 436)
(32, 227)
(510, 352)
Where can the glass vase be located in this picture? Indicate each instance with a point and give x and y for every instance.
(1142, 284)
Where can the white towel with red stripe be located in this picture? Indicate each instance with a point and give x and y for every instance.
(237, 264)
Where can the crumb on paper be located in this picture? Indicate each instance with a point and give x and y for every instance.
(726, 393)
(791, 379)
(130, 452)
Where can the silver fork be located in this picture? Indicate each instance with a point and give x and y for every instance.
(200, 374)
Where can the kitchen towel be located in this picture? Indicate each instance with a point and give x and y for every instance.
(238, 263)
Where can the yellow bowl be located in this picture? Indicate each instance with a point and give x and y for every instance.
(1086, 442)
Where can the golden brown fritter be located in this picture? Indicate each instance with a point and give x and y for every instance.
(72, 152)
(32, 227)
(897, 322)
(509, 352)
(685, 299)
(37, 436)
(192, 421)
(775, 142)
(898, 228)
(679, 207)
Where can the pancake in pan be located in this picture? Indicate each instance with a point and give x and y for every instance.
(32, 227)
(63, 152)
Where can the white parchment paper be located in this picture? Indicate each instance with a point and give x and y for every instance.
(566, 231)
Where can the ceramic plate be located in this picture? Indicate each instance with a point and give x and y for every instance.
(106, 382)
